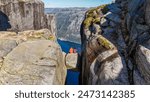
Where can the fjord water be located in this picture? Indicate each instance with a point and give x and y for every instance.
(72, 76)
(66, 45)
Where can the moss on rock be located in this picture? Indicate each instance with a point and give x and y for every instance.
(93, 15)
(96, 20)
(88, 21)
(52, 38)
(104, 42)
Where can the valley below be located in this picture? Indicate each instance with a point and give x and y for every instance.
(68, 21)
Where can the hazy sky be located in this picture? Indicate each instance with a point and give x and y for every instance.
(75, 3)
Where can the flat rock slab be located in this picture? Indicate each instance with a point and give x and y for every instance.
(34, 63)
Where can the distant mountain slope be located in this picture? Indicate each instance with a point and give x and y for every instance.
(68, 22)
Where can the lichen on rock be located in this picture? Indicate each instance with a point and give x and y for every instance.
(31, 59)
(117, 53)
(92, 15)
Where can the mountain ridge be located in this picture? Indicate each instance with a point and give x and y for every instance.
(68, 21)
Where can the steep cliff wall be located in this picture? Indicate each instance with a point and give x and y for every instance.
(116, 43)
(27, 15)
(29, 55)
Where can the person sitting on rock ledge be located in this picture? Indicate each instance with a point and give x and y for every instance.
(75, 50)
(71, 50)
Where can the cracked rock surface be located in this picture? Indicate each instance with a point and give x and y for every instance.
(31, 58)
(123, 25)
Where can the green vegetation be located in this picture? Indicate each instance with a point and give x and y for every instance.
(93, 15)
(88, 21)
(104, 42)
(36, 35)
(40, 35)
(52, 38)
(96, 20)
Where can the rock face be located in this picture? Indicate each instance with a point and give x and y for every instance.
(143, 61)
(27, 15)
(72, 60)
(29, 55)
(31, 58)
(147, 12)
(68, 22)
(116, 43)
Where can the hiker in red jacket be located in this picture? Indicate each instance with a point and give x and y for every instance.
(71, 50)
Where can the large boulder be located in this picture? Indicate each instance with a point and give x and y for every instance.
(34, 63)
(31, 58)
